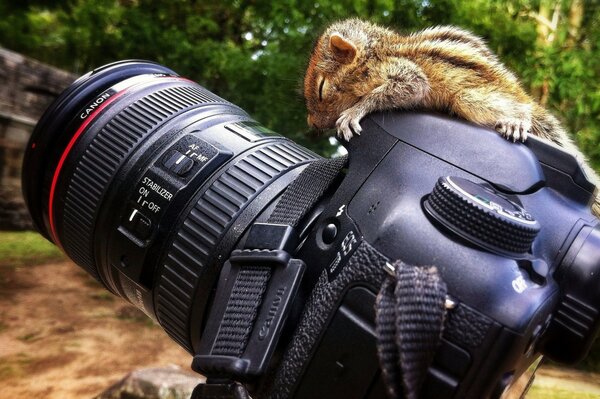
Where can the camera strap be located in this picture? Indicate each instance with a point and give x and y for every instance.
(410, 315)
(256, 288)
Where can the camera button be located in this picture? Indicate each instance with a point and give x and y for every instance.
(329, 233)
(138, 224)
(179, 163)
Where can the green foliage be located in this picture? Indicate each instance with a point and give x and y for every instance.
(254, 52)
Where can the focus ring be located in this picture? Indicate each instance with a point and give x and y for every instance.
(104, 156)
(206, 224)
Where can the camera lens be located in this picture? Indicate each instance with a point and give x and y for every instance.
(148, 181)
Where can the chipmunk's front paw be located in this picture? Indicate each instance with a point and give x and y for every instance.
(348, 123)
(514, 129)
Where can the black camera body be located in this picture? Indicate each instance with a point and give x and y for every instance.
(508, 306)
(149, 182)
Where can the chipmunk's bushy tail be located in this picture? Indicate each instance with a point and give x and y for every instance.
(545, 125)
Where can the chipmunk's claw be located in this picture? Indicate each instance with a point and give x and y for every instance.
(514, 129)
(348, 124)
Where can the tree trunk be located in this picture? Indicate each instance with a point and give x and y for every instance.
(576, 11)
(543, 23)
(547, 19)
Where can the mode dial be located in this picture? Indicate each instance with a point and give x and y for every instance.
(482, 216)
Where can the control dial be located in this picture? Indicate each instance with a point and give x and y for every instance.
(482, 216)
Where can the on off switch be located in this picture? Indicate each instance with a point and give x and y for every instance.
(138, 224)
(179, 163)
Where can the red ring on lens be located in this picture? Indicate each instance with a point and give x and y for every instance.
(78, 133)
(63, 157)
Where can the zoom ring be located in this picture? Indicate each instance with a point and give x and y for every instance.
(205, 225)
(105, 155)
(472, 220)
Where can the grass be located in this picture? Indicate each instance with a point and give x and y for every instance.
(554, 393)
(26, 248)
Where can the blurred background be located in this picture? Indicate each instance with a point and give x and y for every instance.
(253, 53)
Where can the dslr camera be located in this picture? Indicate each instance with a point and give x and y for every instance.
(266, 262)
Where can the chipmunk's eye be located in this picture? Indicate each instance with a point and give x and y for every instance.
(321, 89)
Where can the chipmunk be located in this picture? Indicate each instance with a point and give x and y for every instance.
(357, 67)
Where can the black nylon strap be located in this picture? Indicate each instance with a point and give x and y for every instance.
(410, 314)
(387, 350)
(241, 311)
(251, 283)
(306, 191)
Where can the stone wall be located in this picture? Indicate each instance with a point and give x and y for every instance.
(27, 87)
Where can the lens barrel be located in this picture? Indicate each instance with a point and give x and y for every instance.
(55, 129)
(148, 181)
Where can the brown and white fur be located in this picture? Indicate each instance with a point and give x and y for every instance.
(358, 67)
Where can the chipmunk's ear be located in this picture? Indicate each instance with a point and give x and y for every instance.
(343, 49)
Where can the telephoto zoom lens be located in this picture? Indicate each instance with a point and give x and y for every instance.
(148, 181)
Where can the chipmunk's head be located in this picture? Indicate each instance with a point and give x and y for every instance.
(335, 70)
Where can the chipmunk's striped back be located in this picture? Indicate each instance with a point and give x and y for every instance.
(358, 67)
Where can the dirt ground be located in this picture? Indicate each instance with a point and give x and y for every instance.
(62, 336)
